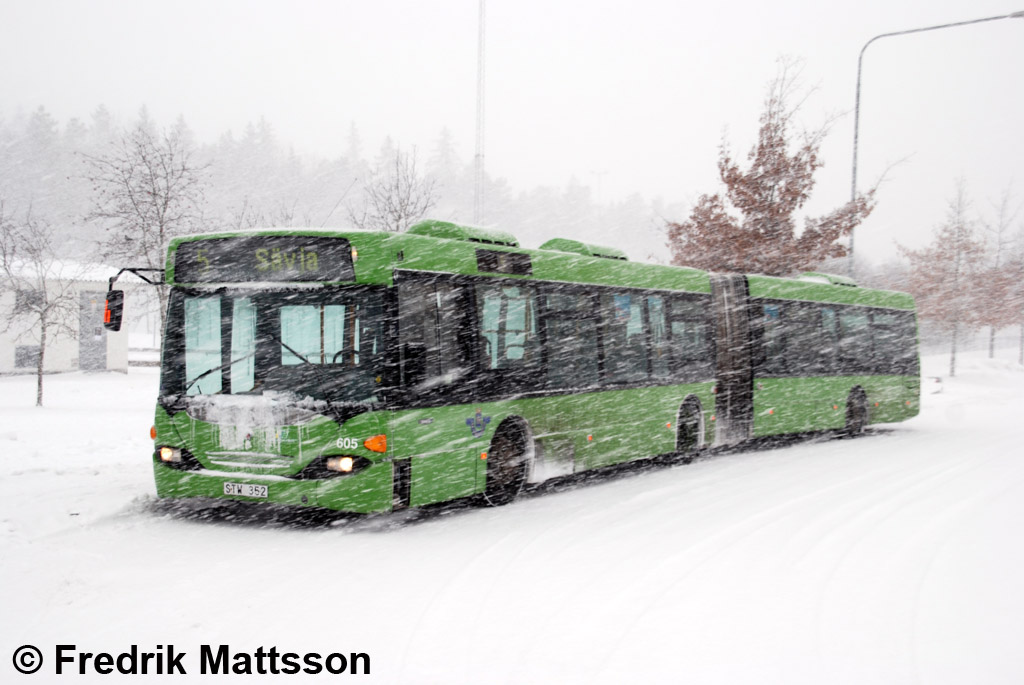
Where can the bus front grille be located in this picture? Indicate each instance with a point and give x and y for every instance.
(250, 460)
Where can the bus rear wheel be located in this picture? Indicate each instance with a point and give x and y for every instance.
(689, 426)
(856, 413)
(507, 466)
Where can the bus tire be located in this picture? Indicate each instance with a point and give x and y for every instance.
(856, 412)
(689, 429)
(508, 465)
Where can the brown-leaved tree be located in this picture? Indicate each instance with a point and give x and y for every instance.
(763, 238)
(946, 276)
(1002, 307)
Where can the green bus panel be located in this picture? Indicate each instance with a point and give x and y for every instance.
(445, 446)
(378, 255)
(800, 405)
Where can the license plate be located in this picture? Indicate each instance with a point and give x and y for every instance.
(245, 489)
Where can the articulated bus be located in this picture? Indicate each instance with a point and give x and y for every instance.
(367, 372)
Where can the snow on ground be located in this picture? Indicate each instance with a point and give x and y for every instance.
(892, 558)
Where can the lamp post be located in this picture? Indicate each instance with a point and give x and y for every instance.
(856, 108)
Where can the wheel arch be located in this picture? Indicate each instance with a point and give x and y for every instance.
(691, 405)
(518, 428)
(515, 425)
(857, 401)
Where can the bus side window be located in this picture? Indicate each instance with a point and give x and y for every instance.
(432, 317)
(690, 334)
(854, 340)
(571, 331)
(622, 330)
(772, 340)
(895, 344)
(803, 339)
(661, 352)
(508, 326)
(830, 340)
(909, 361)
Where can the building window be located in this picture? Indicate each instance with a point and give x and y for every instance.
(26, 356)
(27, 299)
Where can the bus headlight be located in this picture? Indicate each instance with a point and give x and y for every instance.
(340, 464)
(170, 454)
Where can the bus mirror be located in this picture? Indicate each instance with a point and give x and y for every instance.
(113, 310)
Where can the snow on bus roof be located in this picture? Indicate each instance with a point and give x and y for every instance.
(274, 229)
(68, 269)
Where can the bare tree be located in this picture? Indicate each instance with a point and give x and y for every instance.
(147, 191)
(395, 197)
(1003, 279)
(1015, 268)
(944, 276)
(250, 215)
(44, 303)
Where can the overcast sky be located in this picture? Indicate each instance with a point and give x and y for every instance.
(627, 97)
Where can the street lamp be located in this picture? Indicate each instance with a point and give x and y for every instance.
(856, 108)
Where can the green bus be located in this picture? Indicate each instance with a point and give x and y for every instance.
(367, 372)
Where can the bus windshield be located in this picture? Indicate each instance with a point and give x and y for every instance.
(325, 344)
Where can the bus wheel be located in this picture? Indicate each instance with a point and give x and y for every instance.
(856, 412)
(507, 466)
(689, 429)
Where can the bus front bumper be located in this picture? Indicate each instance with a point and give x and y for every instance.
(366, 492)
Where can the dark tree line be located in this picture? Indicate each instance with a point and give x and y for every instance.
(99, 191)
(252, 178)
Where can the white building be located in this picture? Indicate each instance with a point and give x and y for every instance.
(94, 349)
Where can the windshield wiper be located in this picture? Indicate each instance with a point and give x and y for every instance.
(285, 345)
(325, 382)
(206, 373)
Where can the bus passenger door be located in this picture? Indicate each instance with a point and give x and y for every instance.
(430, 432)
(571, 374)
(517, 370)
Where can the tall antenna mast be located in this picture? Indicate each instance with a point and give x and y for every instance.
(478, 160)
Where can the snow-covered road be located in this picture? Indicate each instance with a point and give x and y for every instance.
(893, 558)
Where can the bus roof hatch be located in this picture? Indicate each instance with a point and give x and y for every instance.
(472, 234)
(831, 279)
(586, 249)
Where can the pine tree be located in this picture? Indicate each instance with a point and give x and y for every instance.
(767, 196)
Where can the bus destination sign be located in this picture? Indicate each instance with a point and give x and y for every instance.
(257, 258)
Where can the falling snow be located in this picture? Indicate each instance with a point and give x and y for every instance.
(890, 558)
